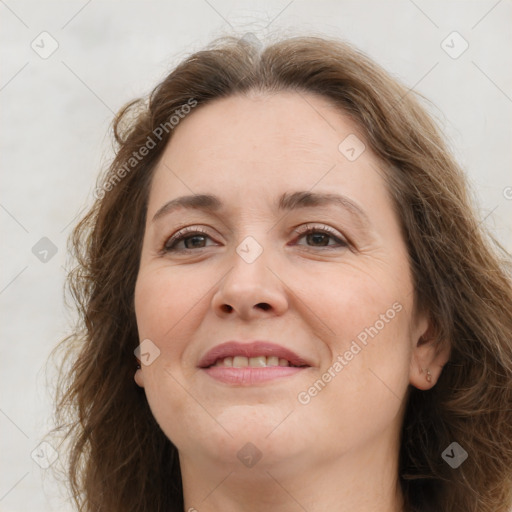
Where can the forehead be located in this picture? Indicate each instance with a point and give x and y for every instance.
(280, 123)
(264, 144)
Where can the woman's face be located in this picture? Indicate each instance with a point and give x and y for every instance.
(338, 296)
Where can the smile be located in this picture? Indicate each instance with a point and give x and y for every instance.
(253, 362)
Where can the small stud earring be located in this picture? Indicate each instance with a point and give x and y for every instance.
(138, 364)
(429, 375)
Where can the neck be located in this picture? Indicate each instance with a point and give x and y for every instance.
(363, 479)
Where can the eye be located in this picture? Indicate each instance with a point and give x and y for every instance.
(319, 236)
(196, 238)
(191, 237)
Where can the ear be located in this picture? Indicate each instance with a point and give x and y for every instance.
(139, 377)
(429, 355)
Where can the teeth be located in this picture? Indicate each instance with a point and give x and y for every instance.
(272, 361)
(240, 361)
(255, 362)
(258, 361)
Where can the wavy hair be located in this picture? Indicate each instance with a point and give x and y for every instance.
(118, 457)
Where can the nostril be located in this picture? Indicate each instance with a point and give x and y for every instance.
(227, 308)
(264, 306)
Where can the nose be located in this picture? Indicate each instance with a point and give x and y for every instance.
(250, 290)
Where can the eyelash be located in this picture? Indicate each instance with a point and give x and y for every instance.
(180, 236)
(189, 232)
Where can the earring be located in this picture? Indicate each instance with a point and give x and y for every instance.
(138, 364)
(429, 375)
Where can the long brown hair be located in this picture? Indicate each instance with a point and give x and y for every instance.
(119, 458)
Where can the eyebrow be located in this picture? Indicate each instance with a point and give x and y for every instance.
(287, 202)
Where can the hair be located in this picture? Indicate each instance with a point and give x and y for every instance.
(119, 458)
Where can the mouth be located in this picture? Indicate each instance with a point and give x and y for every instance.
(251, 363)
(254, 362)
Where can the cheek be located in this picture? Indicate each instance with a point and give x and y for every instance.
(164, 298)
(165, 315)
(359, 303)
(369, 322)
(354, 401)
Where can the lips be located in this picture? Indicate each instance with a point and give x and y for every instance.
(251, 349)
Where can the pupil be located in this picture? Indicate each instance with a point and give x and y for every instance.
(318, 237)
(196, 237)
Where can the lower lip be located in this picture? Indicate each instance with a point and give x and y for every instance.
(248, 375)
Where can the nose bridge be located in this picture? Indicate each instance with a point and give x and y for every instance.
(250, 285)
(249, 265)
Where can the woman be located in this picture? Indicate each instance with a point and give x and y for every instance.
(287, 299)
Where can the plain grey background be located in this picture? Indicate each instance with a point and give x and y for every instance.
(55, 113)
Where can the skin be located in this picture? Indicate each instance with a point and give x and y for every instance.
(339, 451)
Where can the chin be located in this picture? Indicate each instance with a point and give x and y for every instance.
(258, 430)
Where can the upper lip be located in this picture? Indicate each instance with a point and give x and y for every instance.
(250, 349)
